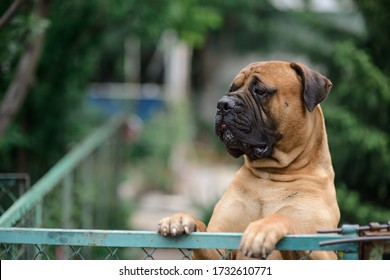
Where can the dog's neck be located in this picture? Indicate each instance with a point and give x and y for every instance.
(305, 155)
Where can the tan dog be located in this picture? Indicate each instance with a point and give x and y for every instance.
(272, 117)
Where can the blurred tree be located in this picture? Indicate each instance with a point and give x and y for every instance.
(359, 117)
(24, 75)
(79, 34)
(377, 43)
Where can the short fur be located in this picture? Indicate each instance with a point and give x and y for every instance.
(286, 185)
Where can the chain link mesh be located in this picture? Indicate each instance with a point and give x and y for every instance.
(12, 186)
(45, 252)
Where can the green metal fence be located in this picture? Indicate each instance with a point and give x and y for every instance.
(58, 217)
(79, 190)
(72, 244)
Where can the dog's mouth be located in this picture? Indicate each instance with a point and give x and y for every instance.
(226, 135)
(237, 146)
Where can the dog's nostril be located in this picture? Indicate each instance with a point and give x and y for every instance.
(225, 104)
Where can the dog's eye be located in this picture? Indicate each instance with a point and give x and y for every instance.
(260, 92)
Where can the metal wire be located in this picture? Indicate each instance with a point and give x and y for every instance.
(186, 254)
(112, 254)
(149, 255)
(356, 239)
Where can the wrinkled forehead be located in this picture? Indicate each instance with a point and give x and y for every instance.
(260, 70)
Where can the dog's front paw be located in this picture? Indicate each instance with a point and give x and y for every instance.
(177, 224)
(260, 237)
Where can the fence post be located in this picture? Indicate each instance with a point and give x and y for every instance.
(353, 252)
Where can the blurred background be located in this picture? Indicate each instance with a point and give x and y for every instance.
(66, 67)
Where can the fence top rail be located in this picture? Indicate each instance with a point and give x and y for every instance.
(149, 239)
(62, 168)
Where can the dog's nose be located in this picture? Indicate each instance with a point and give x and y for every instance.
(225, 104)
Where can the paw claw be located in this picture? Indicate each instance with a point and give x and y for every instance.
(177, 225)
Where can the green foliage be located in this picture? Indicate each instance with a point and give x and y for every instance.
(79, 35)
(11, 44)
(357, 121)
(15, 137)
(365, 83)
(246, 25)
(354, 211)
(192, 20)
(377, 43)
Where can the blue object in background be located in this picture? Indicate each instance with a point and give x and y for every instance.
(145, 107)
(108, 106)
(106, 99)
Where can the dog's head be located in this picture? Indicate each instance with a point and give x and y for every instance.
(267, 102)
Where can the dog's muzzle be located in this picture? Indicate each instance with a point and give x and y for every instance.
(234, 127)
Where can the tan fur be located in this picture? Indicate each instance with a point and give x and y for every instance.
(291, 192)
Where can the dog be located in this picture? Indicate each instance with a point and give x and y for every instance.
(271, 115)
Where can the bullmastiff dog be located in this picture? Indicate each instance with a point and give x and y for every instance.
(272, 117)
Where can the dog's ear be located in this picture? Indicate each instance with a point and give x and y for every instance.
(316, 87)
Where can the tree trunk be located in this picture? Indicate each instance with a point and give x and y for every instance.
(24, 76)
(9, 14)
